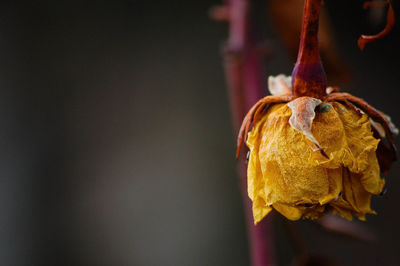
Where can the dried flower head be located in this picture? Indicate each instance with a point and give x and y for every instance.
(313, 149)
(310, 156)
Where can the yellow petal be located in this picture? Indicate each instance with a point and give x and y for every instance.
(287, 173)
(360, 140)
(343, 212)
(335, 185)
(284, 158)
(255, 182)
(370, 178)
(260, 210)
(292, 213)
(329, 131)
(355, 194)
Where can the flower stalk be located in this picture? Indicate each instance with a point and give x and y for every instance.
(309, 78)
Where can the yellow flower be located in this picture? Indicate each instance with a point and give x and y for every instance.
(314, 149)
(288, 173)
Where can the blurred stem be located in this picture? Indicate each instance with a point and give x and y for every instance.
(244, 72)
(295, 237)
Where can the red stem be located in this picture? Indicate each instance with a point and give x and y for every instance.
(309, 78)
(244, 72)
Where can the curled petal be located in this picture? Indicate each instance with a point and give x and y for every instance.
(382, 126)
(393, 128)
(280, 84)
(369, 110)
(330, 90)
(384, 152)
(303, 114)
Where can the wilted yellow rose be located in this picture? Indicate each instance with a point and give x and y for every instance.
(288, 173)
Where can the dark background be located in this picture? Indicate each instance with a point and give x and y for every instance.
(116, 140)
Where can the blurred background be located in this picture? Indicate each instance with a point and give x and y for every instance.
(117, 146)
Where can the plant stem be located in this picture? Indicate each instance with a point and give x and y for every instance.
(244, 72)
(309, 78)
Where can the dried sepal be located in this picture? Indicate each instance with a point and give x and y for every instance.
(254, 113)
(393, 127)
(384, 153)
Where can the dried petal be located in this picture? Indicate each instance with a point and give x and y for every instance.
(280, 84)
(285, 174)
(256, 185)
(303, 113)
(393, 128)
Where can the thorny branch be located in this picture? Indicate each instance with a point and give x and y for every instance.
(243, 61)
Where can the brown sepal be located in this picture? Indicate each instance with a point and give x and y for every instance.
(253, 115)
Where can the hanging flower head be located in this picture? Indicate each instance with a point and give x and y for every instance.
(313, 149)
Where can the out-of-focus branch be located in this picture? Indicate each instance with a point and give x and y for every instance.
(295, 237)
(338, 226)
(303, 255)
(243, 61)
